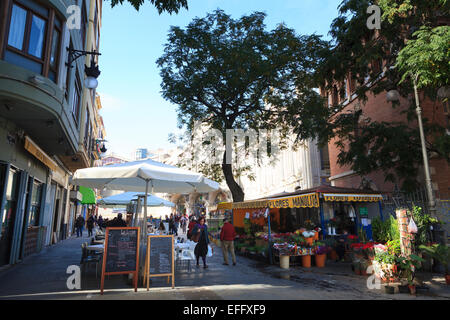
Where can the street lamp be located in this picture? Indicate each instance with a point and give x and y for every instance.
(393, 95)
(91, 72)
(424, 151)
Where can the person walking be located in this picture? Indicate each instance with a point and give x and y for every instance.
(176, 225)
(117, 222)
(90, 225)
(201, 249)
(227, 235)
(171, 224)
(183, 221)
(192, 224)
(79, 224)
(100, 223)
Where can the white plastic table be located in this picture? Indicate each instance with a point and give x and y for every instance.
(96, 247)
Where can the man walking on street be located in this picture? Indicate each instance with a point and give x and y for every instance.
(227, 235)
(79, 224)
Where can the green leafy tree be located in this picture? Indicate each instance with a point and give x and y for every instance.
(170, 6)
(411, 38)
(233, 74)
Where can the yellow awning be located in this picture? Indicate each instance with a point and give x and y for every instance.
(309, 200)
(225, 206)
(352, 197)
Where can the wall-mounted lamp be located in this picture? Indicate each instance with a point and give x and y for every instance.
(92, 72)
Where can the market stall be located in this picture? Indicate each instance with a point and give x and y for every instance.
(304, 223)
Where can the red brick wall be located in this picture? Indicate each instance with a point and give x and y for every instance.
(378, 109)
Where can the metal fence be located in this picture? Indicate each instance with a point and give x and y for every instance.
(399, 199)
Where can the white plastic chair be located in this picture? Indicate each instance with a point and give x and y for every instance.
(186, 255)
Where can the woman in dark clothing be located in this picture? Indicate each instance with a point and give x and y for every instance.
(201, 249)
(90, 225)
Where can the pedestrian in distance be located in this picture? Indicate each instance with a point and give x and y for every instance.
(79, 224)
(227, 235)
(100, 222)
(175, 226)
(161, 227)
(201, 249)
(191, 226)
(171, 224)
(184, 221)
(117, 222)
(90, 225)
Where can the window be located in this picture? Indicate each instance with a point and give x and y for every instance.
(76, 99)
(33, 38)
(54, 50)
(87, 129)
(335, 96)
(33, 219)
(84, 21)
(345, 89)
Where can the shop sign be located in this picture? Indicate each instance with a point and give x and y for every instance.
(225, 206)
(363, 212)
(33, 148)
(251, 204)
(310, 200)
(353, 197)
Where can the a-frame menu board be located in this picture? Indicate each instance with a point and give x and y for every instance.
(121, 254)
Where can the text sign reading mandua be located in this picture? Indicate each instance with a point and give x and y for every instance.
(121, 250)
(161, 251)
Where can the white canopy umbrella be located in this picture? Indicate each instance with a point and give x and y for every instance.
(126, 197)
(139, 175)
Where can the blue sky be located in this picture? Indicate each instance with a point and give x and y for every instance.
(134, 113)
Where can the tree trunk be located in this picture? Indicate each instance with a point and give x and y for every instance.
(235, 188)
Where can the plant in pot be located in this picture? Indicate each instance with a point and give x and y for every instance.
(321, 254)
(356, 266)
(441, 253)
(385, 264)
(331, 244)
(408, 266)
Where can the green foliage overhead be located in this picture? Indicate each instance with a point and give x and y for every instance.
(427, 55)
(225, 73)
(411, 39)
(170, 6)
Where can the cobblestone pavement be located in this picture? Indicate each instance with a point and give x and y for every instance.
(43, 276)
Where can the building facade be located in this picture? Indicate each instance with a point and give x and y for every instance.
(43, 110)
(379, 109)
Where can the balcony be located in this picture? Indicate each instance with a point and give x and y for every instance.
(38, 107)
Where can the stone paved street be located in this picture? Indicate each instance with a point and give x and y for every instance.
(43, 276)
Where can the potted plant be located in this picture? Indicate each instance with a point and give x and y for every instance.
(408, 265)
(309, 237)
(321, 254)
(356, 267)
(441, 253)
(306, 261)
(364, 264)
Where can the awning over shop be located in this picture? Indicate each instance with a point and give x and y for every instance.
(88, 195)
(225, 206)
(307, 198)
(310, 200)
(352, 197)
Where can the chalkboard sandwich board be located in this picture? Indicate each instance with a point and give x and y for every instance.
(121, 254)
(160, 258)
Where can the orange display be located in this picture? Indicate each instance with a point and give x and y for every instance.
(239, 216)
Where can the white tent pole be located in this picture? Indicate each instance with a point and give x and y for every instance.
(144, 230)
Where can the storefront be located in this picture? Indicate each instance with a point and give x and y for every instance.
(344, 209)
(23, 177)
(305, 217)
